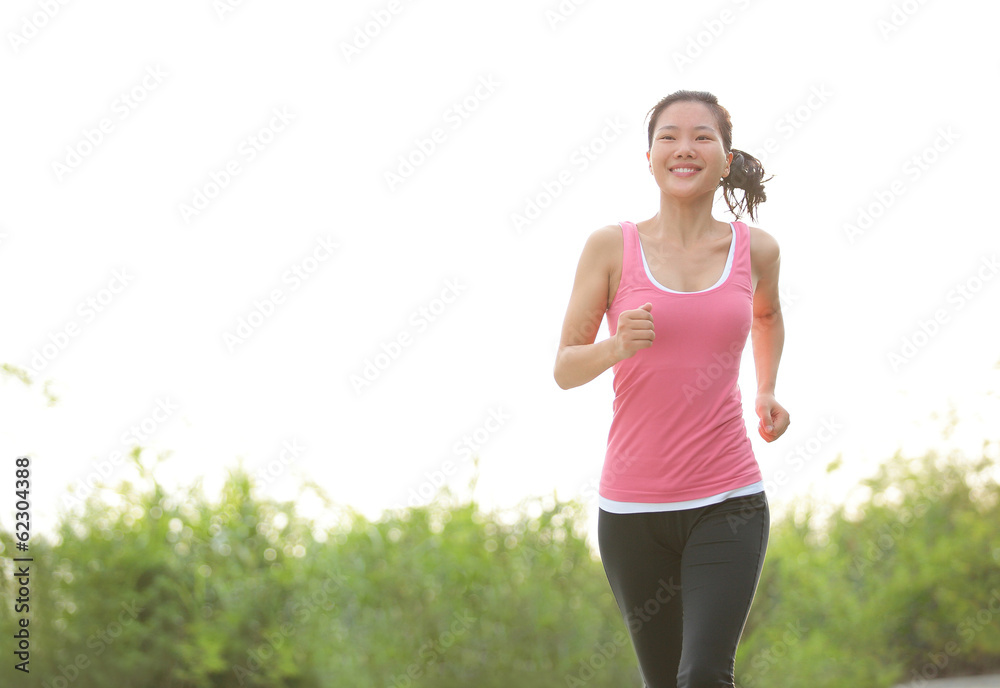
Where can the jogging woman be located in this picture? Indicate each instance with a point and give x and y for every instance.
(683, 519)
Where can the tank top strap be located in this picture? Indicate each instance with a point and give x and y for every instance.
(631, 258)
(741, 258)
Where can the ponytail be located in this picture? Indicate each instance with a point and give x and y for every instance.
(747, 173)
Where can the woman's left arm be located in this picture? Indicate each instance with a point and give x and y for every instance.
(767, 333)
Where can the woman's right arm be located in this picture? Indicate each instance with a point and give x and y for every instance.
(579, 360)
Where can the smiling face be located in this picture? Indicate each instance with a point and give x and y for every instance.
(687, 157)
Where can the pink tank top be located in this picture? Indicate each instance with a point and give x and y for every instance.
(677, 432)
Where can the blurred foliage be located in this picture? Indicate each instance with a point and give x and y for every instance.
(150, 589)
(16, 372)
(144, 588)
(904, 587)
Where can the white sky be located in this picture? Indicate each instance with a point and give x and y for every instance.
(213, 83)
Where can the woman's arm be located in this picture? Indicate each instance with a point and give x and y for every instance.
(579, 360)
(767, 333)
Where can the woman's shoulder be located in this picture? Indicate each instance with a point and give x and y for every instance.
(612, 230)
(764, 252)
(762, 244)
(602, 245)
(607, 237)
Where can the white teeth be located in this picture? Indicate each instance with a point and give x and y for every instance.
(685, 169)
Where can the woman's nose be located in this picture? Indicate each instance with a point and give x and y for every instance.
(685, 149)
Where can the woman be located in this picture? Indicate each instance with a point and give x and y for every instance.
(683, 519)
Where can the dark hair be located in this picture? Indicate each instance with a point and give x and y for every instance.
(746, 172)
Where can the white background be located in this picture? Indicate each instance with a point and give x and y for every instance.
(894, 77)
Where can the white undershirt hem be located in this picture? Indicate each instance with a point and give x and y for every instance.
(614, 507)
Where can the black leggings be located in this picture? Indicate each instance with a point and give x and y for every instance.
(717, 551)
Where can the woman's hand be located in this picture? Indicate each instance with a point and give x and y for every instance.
(774, 418)
(634, 332)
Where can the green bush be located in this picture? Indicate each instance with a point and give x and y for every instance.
(907, 589)
(172, 590)
(142, 588)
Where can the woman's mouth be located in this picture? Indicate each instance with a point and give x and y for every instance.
(684, 171)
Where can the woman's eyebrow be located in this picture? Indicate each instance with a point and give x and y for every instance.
(674, 126)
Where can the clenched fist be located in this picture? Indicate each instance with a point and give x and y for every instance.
(635, 331)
